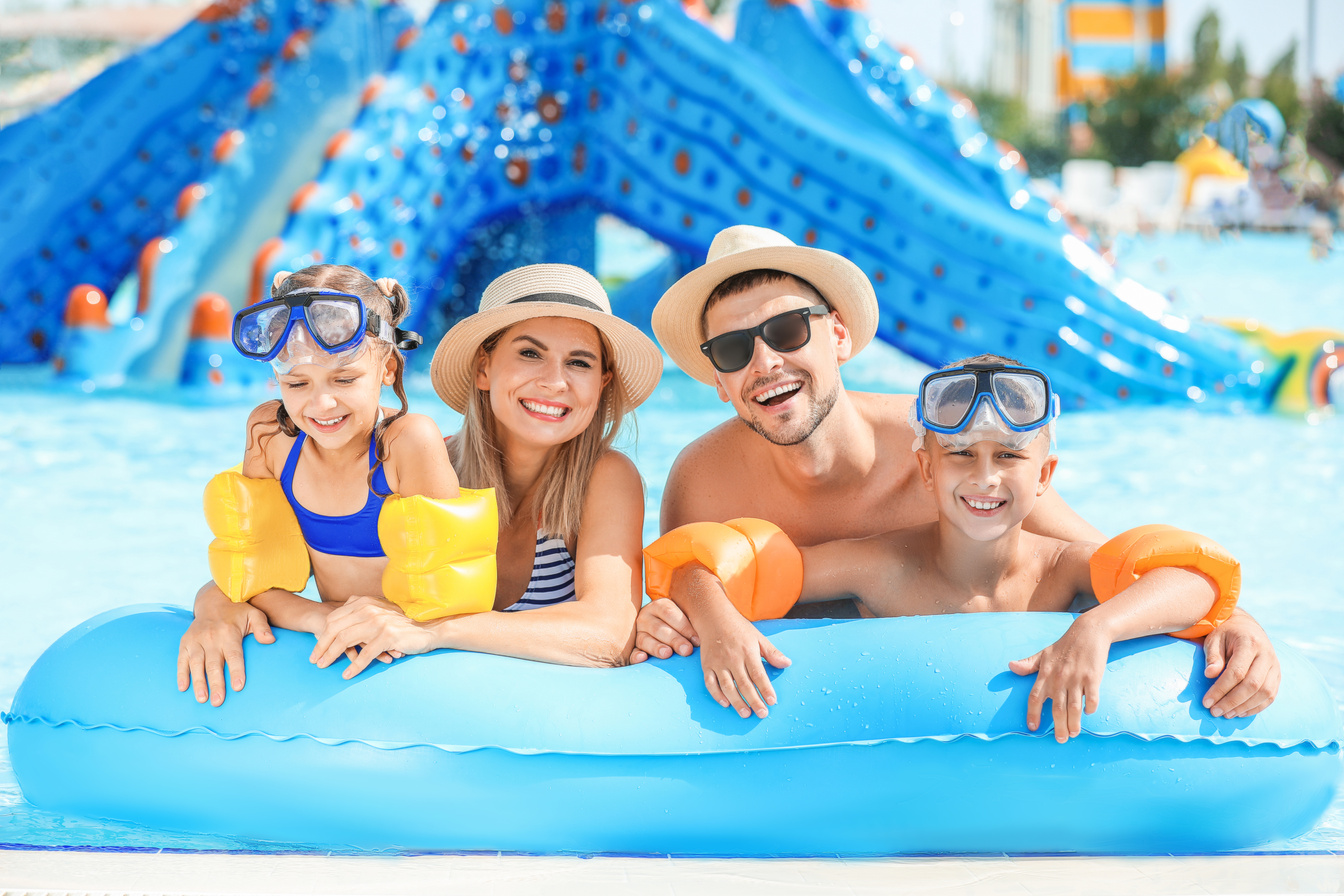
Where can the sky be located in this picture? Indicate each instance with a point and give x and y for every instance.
(961, 54)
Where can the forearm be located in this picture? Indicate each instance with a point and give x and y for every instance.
(1169, 599)
(286, 609)
(570, 634)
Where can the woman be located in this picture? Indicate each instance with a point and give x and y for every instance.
(543, 375)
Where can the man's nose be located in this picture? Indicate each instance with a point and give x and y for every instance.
(763, 357)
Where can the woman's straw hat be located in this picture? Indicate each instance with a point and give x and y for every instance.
(676, 318)
(545, 290)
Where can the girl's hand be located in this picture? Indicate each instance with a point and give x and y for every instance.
(1068, 673)
(214, 639)
(374, 625)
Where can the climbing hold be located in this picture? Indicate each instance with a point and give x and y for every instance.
(86, 306)
(212, 318)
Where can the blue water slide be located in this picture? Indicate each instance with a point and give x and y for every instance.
(501, 130)
(85, 183)
(311, 92)
(531, 110)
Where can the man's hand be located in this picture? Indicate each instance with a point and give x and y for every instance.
(1238, 652)
(730, 657)
(660, 629)
(215, 638)
(1069, 674)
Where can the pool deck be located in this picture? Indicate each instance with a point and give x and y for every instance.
(50, 872)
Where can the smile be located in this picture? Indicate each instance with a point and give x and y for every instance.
(332, 422)
(549, 410)
(778, 394)
(985, 504)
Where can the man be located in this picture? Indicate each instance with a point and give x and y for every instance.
(768, 324)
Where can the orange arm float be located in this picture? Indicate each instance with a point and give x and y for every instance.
(1119, 562)
(761, 570)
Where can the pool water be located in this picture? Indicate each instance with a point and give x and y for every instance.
(101, 499)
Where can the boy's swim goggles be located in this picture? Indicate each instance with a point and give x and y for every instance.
(332, 335)
(985, 401)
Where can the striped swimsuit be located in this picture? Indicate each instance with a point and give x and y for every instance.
(552, 576)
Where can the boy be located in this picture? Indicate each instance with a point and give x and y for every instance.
(983, 448)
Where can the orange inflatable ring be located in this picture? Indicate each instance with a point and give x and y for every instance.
(760, 568)
(1119, 562)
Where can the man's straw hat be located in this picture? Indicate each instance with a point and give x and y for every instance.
(545, 290)
(676, 318)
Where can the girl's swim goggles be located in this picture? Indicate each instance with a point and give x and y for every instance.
(985, 401)
(332, 335)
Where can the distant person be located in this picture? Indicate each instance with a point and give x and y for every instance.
(768, 324)
(985, 459)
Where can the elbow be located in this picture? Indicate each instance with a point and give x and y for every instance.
(611, 646)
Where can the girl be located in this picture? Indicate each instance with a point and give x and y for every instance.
(543, 375)
(330, 335)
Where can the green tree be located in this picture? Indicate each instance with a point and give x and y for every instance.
(1280, 88)
(1207, 66)
(1005, 117)
(1235, 73)
(1325, 132)
(1143, 119)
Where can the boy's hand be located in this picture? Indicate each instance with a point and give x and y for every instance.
(1239, 653)
(1069, 674)
(660, 629)
(730, 656)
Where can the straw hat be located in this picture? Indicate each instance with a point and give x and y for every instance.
(545, 290)
(676, 318)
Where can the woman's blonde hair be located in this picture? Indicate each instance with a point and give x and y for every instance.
(558, 499)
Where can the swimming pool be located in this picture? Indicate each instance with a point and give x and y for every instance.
(101, 504)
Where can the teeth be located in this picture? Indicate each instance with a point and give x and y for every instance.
(332, 422)
(984, 505)
(544, 409)
(778, 390)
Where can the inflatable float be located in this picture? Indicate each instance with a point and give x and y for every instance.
(890, 736)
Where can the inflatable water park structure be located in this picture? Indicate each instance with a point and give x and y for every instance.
(145, 208)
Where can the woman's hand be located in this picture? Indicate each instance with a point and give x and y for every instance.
(1068, 673)
(215, 638)
(374, 625)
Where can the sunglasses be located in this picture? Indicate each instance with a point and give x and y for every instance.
(730, 352)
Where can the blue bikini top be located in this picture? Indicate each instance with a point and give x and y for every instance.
(352, 535)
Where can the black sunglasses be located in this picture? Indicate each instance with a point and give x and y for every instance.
(730, 352)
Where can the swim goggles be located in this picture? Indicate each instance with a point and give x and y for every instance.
(984, 401)
(332, 335)
(730, 352)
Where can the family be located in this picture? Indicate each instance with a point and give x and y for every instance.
(897, 504)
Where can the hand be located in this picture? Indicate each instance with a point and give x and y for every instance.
(730, 657)
(1238, 652)
(377, 627)
(1068, 674)
(215, 638)
(661, 628)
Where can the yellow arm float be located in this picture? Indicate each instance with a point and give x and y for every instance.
(440, 553)
(258, 545)
(1119, 562)
(761, 570)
